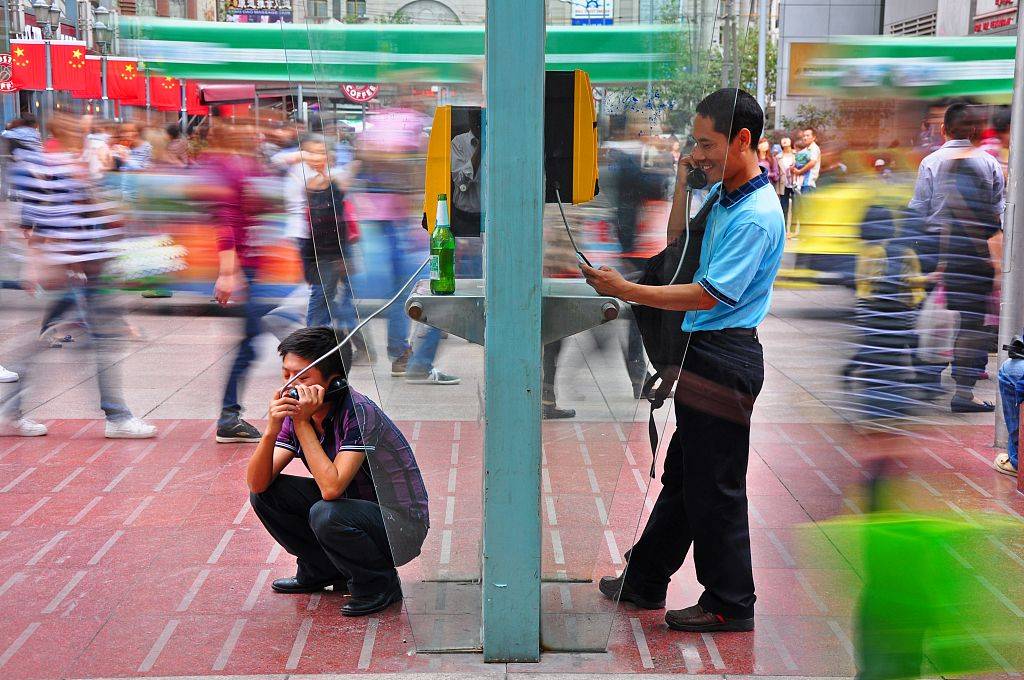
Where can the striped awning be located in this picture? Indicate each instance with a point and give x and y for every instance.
(353, 53)
(919, 68)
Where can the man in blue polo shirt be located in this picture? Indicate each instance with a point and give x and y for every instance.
(703, 501)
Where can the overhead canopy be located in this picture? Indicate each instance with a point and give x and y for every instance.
(354, 53)
(227, 93)
(919, 68)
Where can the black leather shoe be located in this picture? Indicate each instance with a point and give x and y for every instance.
(615, 588)
(371, 604)
(293, 585)
(552, 412)
(696, 620)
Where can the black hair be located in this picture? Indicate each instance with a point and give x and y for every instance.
(1001, 119)
(730, 110)
(961, 121)
(312, 343)
(173, 130)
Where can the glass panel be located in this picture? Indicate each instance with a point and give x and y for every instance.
(598, 492)
(377, 147)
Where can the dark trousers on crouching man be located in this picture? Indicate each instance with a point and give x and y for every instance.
(339, 541)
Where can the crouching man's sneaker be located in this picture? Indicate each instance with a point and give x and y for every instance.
(129, 428)
(695, 619)
(237, 431)
(22, 427)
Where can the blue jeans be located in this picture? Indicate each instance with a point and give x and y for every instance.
(254, 312)
(102, 318)
(325, 276)
(1011, 393)
(396, 271)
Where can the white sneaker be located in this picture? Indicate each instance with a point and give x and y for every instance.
(7, 376)
(435, 377)
(130, 428)
(22, 427)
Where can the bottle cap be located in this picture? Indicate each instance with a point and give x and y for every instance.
(442, 197)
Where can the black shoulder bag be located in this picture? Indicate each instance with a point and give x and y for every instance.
(661, 329)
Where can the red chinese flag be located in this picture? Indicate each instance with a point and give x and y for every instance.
(67, 59)
(90, 85)
(28, 64)
(125, 83)
(192, 105)
(165, 93)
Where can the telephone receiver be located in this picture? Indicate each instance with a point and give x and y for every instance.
(335, 390)
(696, 179)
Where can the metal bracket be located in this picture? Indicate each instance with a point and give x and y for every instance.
(570, 306)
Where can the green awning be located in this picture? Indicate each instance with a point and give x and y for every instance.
(919, 68)
(353, 53)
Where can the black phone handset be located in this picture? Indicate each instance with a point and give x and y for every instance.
(336, 389)
(696, 178)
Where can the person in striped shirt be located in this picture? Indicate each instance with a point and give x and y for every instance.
(70, 230)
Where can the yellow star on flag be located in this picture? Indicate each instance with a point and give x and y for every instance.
(19, 52)
(77, 54)
(128, 68)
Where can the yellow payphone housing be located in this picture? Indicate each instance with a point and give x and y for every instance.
(570, 149)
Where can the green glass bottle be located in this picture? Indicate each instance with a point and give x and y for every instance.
(442, 252)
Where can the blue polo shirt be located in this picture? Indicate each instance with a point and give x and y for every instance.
(740, 256)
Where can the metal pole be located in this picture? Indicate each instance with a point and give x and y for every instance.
(1011, 308)
(103, 84)
(762, 56)
(48, 96)
(514, 210)
(184, 107)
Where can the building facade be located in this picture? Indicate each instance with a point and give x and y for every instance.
(951, 17)
(805, 22)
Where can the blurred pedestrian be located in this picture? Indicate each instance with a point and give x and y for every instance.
(230, 172)
(132, 151)
(177, 147)
(388, 153)
(71, 231)
(786, 159)
(314, 198)
(959, 199)
(889, 289)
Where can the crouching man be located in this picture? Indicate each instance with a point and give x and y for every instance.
(364, 511)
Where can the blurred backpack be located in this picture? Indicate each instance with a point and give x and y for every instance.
(662, 329)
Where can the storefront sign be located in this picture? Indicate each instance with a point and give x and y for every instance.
(258, 11)
(360, 94)
(593, 12)
(995, 15)
(5, 74)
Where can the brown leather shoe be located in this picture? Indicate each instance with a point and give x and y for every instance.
(695, 619)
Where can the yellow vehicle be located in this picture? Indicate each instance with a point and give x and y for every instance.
(826, 227)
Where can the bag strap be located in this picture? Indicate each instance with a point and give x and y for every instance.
(666, 380)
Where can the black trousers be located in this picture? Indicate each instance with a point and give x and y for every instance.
(340, 540)
(703, 501)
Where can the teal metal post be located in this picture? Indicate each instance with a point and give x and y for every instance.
(513, 204)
